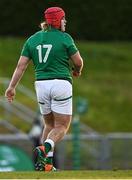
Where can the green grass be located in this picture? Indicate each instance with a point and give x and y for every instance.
(68, 175)
(106, 81)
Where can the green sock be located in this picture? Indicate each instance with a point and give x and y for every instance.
(49, 160)
(47, 147)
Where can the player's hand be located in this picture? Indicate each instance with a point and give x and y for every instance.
(76, 74)
(10, 94)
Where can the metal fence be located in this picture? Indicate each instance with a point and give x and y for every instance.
(110, 151)
(96, 152)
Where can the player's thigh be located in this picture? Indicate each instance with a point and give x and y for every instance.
(62, 120)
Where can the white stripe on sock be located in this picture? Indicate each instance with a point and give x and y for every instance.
(50, 142)
(50, 154)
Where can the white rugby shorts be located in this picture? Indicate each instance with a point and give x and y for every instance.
(54, 95)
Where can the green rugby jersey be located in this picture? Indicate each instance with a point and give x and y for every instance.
(50, 52)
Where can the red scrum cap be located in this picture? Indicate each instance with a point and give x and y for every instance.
(53, 16)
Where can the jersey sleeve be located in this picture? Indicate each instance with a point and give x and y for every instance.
(25, 50)
(70, 45)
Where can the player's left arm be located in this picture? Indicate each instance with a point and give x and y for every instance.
(17, 75)
(78, 64)
(74, 55)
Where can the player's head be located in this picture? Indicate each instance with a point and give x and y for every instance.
(55, 16)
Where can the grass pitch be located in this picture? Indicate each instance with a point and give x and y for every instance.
(119, 174)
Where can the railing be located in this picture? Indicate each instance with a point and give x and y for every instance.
(109, 151)
(17, 110)
(21, 88)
